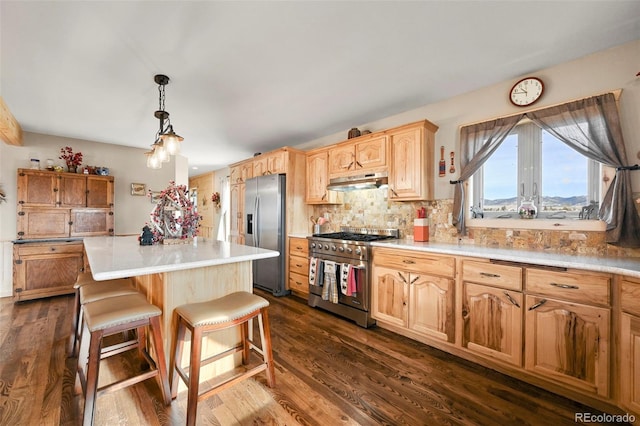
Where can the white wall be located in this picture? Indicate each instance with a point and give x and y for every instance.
(604, 71)
(127, 165)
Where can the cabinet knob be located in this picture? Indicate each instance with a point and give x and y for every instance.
(20, 202)
(53, 249)
(20, 213)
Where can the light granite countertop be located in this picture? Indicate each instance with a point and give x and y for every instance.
(119, 257)
(614, 265)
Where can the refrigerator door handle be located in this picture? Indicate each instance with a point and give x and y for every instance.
(256, 233)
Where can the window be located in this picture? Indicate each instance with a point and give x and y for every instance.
(532, 166)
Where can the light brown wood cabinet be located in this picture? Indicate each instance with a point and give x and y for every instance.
(59, 205)
(568, 343)
(408, 292)
(299, 266)
(45, 269)
(358, 156)
(318, 179)
(491, 311)
(271, 163)
(411, 165)
(236, 214)
(629, 354)
(568, 327)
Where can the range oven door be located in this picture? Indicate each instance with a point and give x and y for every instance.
(360, 299)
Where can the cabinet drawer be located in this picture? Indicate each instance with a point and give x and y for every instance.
(630, 296)
(575, 286)
(298, 247)
(46, 248)
(503, 276)
(298, 282)
(299, 265)
(412, 261)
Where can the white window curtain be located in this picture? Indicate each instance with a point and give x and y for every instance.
(223, 226)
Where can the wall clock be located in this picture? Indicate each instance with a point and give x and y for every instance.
(526, 91)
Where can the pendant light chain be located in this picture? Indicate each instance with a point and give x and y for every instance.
(167, 142)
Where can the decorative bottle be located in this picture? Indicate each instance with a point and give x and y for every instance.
(527, 209)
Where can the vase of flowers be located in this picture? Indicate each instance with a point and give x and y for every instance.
(72, 159)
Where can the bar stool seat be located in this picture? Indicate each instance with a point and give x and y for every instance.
(113, 315)
(88, 290)
(235, 309)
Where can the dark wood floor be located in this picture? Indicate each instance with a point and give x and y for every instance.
(328, 370)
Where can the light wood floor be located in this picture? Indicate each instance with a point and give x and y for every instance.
(328, 370)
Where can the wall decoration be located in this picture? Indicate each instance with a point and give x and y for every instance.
(138, 189)
(174, 219)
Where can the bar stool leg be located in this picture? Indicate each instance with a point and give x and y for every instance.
(93, 369)
(194, 375)
(177, 345)
(265, 336)
(161, 363)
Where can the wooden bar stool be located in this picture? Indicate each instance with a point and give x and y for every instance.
(115, 315)
(235, 309)
(88, 290)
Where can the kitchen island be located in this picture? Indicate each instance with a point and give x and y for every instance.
(172, 275)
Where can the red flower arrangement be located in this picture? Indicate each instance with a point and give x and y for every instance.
(69, 157)
(215, 197)
(175, 216)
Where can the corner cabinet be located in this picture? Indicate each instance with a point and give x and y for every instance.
(411, 164)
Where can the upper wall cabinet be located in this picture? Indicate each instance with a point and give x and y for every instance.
(272, 163)
(411, 165)
(352, 158)
(318, 179)
(37, 188)
(59, 205)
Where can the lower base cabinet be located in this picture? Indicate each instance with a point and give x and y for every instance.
(46, 269)
(568, 343)
(492, 322)
(630, 362)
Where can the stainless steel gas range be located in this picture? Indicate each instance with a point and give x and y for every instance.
(340, 273)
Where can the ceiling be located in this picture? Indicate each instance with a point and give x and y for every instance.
(254, 76)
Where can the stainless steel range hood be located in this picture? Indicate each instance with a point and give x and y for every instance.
(364, 181)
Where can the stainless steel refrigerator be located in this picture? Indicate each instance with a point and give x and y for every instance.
(265, 227)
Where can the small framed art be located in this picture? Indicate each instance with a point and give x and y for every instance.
(138, 189)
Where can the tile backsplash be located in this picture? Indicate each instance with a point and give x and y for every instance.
(372, 208)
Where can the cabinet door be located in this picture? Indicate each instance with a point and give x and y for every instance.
(630, 362)
(411, 165)
(260, 166)
(234, 175)
(341, 160)
(43, 270)
(38, 222)
(277, 162)
(431, 306)
(390, 294)
(91, 222)
(99, 191)
(73, 190)
(371, 154)
(37, 188)
(234, 199)
(492, 322)
(246, 171)
(569, 343)
(317, 179)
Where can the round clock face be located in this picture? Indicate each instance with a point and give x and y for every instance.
(526, 91)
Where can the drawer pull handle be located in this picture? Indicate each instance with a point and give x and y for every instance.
(298, 265)
(537, 305)
(402, 278)
(408, 262)
(488, 275)
(567, 286)
(511, 299)
(415, 279)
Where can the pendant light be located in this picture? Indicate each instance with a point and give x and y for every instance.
(167, 142)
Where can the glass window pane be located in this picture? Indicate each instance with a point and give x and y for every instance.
(564, 176)
(501, 178)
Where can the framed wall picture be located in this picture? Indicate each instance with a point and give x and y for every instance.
(138, 189)
(155, 196)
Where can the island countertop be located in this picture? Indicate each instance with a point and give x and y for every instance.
(120, 257)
